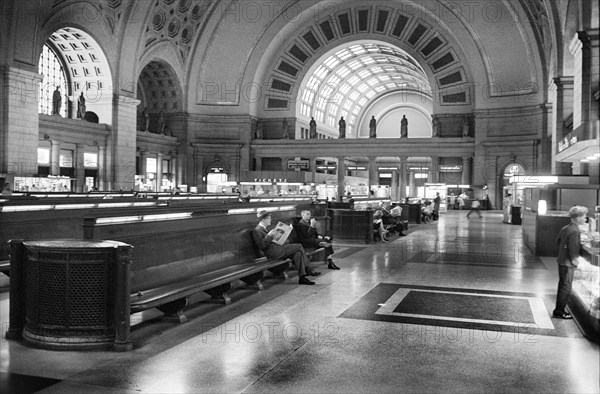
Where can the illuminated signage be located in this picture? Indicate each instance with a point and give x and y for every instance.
(302, 164)
(449, 168)
(356, 168)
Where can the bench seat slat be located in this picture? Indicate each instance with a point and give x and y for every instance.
(163, 294)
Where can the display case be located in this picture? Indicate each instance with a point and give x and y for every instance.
(584, 302)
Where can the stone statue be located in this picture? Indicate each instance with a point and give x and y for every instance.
(81, 107)
(373, 127)
(161, 123)
(465, 126)
(313, 128)
(146, 119)
(342, 128)
(284, 129)
(56, 102)
(259, 130)
(404, 127)
(435, 126)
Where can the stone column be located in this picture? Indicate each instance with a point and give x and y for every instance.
(313, 168)
(143, 168)
(412, 189)
(435, 169)
(561, 96)
(341, 177)
(19, 121)
(373, 180)
(159, 172)
(466, 171)
(79, 168)
(123, 142)
(394, 187)
(54, 157)
(258, 160)
(402, 180)
(102, 168)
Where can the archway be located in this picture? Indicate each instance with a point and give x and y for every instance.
(74, 59)
(351, 79)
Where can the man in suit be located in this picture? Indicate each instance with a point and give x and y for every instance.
(264, 239)
(309, 238)
(569, 249)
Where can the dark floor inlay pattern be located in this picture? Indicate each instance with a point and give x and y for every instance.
(476, 259)
(14, 383)
(466, 306)
(517, 319)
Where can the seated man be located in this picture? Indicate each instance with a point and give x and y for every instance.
(309, 238)
(264, 240)
(379, 233)
(392, 223)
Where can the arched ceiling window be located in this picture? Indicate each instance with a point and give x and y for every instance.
(355, 76)
(84, 68)
(52, 70)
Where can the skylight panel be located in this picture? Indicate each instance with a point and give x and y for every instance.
(379, 89)
(362, 101)
(353, 80)
(345, 88)
(364, 73)
(354, 95)
(370, 94)
(362, 88)
(332, 62)
(342, 72)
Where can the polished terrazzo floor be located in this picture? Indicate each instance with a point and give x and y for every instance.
(456, 306)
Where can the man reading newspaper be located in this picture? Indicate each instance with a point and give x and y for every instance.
(265, 240)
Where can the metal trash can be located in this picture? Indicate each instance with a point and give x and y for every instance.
(515, 214)
(69, 291)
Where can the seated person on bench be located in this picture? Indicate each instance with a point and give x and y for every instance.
(379, 231)
(264, 240)
(391, 222)
(309, 237)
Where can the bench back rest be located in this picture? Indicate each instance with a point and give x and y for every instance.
(171, 250)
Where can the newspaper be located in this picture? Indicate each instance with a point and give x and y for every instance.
(280, 233)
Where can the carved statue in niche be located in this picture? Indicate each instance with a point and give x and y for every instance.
(81, 107)
(435, 125)
(465, 126)
(373, 127)
(313, 128)
(258, 132)
(404, 127)
(342, 128)
(56, 101)
(161, 123)
(284, 129)
(145, 120)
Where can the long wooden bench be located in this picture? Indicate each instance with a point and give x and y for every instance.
(175, 259)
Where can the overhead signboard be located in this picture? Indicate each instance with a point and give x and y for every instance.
(298, 164)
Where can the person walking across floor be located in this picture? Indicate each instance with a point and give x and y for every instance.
(264, 240)
(310, 238)
(474, 208)
(569, 250)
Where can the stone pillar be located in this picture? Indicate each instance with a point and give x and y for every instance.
(199, 180)
(402, 180)
(123, 143)
(412, 189)
(258, 160)
(79, 168)
(54, 157)
(341, 177)
(159, 172)
(313, 168)
(143, 168)
(435, 169)
(373, 180)
(561, 96)
(466, 171)
(102, 168)
(394, 187)
(19, 121)
(174, 170)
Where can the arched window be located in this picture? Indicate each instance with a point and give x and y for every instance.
(54, 75)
